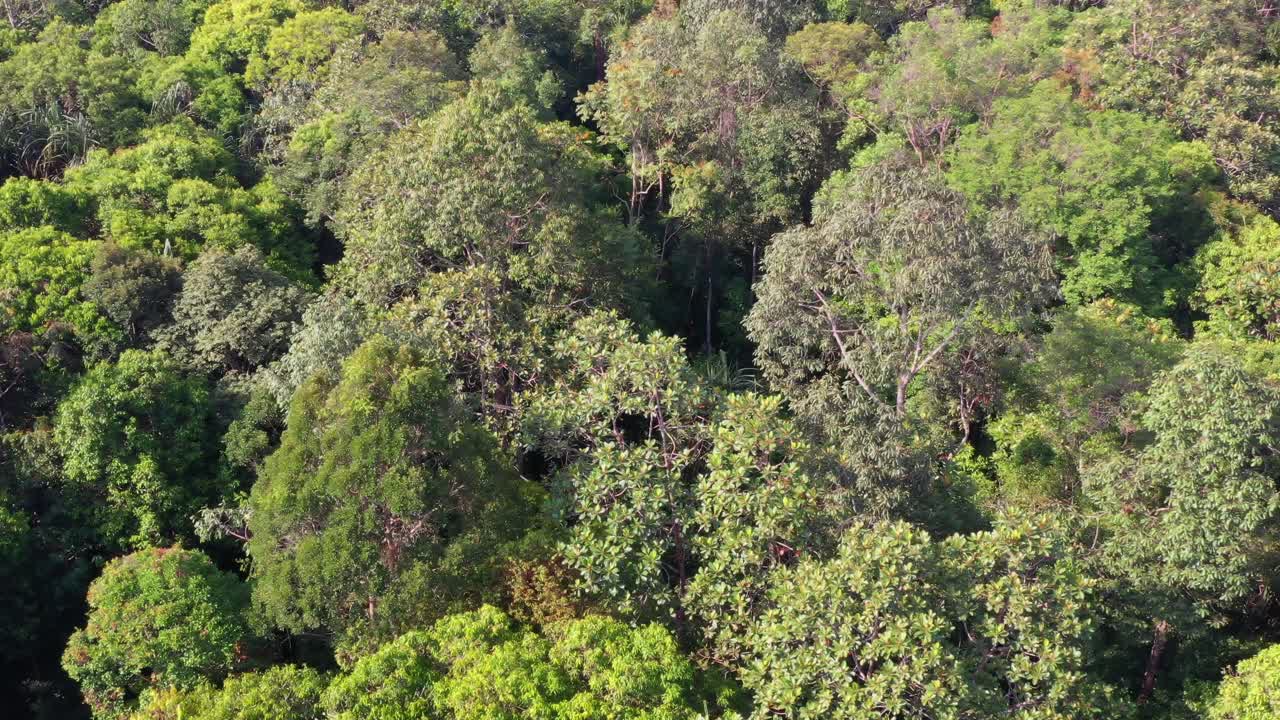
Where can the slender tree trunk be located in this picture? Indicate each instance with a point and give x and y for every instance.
(682, 576)
(706, 344)
(600, 54)
(1158, 642)
(755, 263)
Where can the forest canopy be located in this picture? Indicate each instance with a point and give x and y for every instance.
(640, 359)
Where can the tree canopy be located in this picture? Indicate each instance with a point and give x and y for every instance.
(385, 490)
(646, 359)
(161, 617)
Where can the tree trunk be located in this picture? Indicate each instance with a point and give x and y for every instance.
(600, 54)
(1158, 642)
(706, 345)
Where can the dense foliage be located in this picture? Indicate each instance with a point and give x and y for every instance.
(640, 359)
(163, 617)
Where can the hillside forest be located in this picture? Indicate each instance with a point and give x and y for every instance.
(640, 359)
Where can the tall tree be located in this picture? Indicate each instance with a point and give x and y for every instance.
(482, 665)
(234, 314)
(177, 193)
(42, 278)
(489, 228)
(141, 435)
(894, 625)
(1205, 68)
(723, 145)
(385, 504)
(281, 692)
(1114, 186)
(301, 48)
(1238, 273)
(163, 617)
(1193, 513)
(59, 99)
(1073, 401)
(679, 500)
(134, 288)
(315, 138)
(1250, 692)
(856, 310)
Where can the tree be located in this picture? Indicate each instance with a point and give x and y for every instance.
(1200, 68)
(678, 501)
(1204, 484)
(893, 270)
(384, 506)
(1238, 274)
(47, 553)
(833, 53)
(887, 14)
(627, 497)
(27, 15)
(856, 310)
(515, 71)
(42, 274)
(162, 617)
(482, 665)
(281, 692)
(141, 435)
(301, 47)
(19, 604)
(332, 327)
(1193, 512)
(199, 88)
(58, 99)
(775, 18)
(1249, 693)
(604, 24)
(1076, 398)
(895, 625)
(177, 190)
(723, 145)
(176, 78)
(489, 230)
(255, 433)
(506, 192)
(1105, 182)
(315, 140)
(135, 27)
(26, 203)
(233, 314)
(686, 101)
(766, 499)
(945, 72)
(234, 32)
(34, 373)
(133, 288)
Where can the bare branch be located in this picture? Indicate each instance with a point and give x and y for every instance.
(836, 333)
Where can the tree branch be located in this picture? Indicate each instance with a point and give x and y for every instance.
(844, 351)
